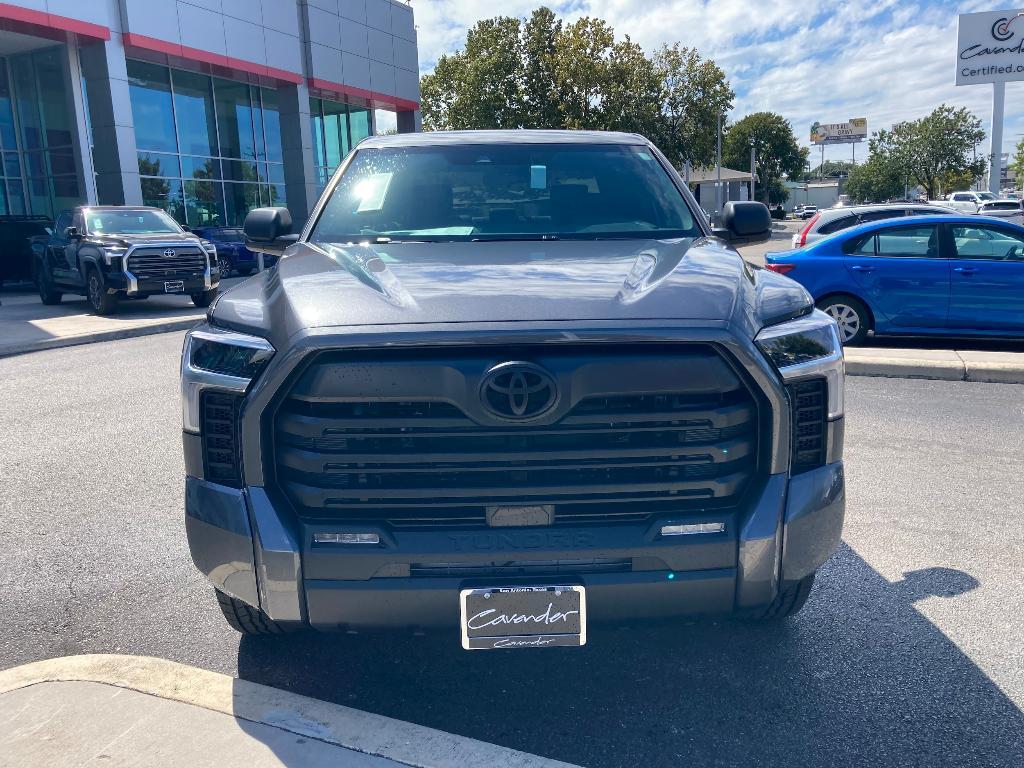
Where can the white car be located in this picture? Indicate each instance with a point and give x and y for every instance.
(1006, 208)
(965, 202)
(833, 220)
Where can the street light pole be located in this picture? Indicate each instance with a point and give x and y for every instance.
(718, 171)
(753, 170)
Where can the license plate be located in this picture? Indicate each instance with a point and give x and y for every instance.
(174, 286)
(523, 617)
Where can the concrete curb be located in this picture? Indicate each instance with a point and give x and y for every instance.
(942, 365)
(89, 338)
(407, 743)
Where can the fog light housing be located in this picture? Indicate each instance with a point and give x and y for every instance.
(688, 529)
(346, 538)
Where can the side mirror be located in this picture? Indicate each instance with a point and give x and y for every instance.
(71, 233)
(745, 223)
(268, 230)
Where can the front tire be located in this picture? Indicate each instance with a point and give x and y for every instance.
(245, 618)
(205, 298)
(789, 601)
(224, 265)
(851, 315)
(101, 302)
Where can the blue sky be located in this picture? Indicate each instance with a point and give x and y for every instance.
(810, 60)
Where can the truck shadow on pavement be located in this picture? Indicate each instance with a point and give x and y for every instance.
(859, 678)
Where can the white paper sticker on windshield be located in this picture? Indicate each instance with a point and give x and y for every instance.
(538, 177)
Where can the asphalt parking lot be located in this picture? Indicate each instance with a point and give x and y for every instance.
(908, 652)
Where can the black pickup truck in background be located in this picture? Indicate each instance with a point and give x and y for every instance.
(111, 252)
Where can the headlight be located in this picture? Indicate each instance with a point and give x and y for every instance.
(110, 255)
(806, 347)
(214, 358)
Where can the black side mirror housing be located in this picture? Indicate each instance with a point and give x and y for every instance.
(269, 230)
(71, 233)
(745, 223)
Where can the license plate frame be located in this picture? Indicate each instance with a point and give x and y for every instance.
(541, 606)
(174, 286)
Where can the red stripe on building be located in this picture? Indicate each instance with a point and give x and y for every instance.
(372, 98)
(53, 21)
(133, 40)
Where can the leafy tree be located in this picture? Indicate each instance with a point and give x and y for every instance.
(874, 181)
(831, 169)
(1017, 163)
(778, 154)
(540, 38)
(695, 93)
(933, 149)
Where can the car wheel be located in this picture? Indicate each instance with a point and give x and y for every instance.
(851, 316)
(224, 265)
(205, 298)
(102, 303)
(47, 293)
(789, 601)
(246, 619)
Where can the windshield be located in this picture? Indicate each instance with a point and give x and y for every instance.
(985, 196)
(505, 192)
(225, 235)
(130, 222)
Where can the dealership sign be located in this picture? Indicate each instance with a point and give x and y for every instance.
(990, 47)
(849, 132)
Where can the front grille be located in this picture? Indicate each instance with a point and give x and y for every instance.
(516, 568)
(809, 400)
(616, 457)
(151, 264)
(219, 430)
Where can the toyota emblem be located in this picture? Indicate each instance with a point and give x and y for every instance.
(169, 253)
(517, 391)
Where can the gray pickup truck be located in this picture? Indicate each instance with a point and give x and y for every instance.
(112, 252)
(512, 385)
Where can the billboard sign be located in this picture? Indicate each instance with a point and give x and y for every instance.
(990, 47)
(850, 132)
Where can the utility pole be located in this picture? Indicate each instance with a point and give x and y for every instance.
(718, 172)
(753, 170)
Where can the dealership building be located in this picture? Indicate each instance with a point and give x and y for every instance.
(205, 108)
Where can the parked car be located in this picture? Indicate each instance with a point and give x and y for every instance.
(16, 233)
(951, 275)
(965, 202)
(516, 418)
(113, 252)
(804, 211)
(1006, 208)
(232, 255)
(834, 220)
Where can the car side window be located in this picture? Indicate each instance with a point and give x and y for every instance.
(861, 246)
(62, 223)
(843, 222)
(961, 198)
(987, 243)
(889, 213)
(908, 242)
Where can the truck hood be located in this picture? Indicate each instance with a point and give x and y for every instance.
(344, 286)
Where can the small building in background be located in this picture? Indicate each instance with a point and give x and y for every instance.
(735, 186)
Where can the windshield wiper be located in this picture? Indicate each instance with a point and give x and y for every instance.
(510, 238)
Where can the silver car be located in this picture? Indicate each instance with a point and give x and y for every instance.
(1005, 208)
(831, 220)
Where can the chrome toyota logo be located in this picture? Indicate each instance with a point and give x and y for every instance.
(169, 253)
(518, 391)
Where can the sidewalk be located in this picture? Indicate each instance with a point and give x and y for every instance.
(137, 711)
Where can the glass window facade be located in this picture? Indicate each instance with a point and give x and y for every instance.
(209, 148)
(38, 173)
(336, 128)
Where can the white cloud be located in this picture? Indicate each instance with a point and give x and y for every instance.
(887, 60)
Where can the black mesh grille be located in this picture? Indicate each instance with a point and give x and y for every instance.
(810, 424)
(221, 455)
(418, 463)
(150, 263)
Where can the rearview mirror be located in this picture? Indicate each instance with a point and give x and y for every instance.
(744, 223)
(269, 230)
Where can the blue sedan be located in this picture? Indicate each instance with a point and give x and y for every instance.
(232, 255)
(920, 276)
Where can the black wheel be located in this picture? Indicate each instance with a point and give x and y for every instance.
(102, 303)
(789, 601)
(49, 295)
(205, 298)
(245, 619)
(224, 265)
(851, 315)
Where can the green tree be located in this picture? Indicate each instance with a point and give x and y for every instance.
(934, 149)
(695, 93)
(874, 181)
(540, 51)
(1017, 163)
(831, 169)
(778, 154)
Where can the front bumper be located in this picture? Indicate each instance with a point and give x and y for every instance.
(251, 550)
(131, 285)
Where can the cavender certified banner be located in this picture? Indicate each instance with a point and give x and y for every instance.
(990, 47)
(850, 132)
